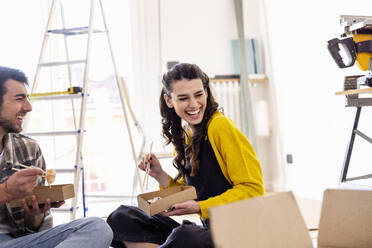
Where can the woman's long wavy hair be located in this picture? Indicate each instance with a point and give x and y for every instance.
(173, 131)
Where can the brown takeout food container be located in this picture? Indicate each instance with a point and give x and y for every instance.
(55, 193)
(275, 220)
(168, 196)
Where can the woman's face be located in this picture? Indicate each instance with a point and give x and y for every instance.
(189, 100)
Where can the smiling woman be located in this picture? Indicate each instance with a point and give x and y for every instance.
(212, 155)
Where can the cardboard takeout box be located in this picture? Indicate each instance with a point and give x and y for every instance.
(275, 221)
(168, 196)
(55, 193)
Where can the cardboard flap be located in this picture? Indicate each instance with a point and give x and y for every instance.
(270, 221)
(346, 219)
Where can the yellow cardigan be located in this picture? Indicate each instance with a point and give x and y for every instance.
(238, 162)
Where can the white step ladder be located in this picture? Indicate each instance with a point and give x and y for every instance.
(75, 94)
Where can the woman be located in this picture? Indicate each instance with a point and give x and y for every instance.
(211, 154)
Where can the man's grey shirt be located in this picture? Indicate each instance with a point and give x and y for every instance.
(20, 149)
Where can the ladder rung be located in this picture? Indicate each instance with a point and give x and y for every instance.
(63, 209)
(63, 63)
(65, 170)
(57, 97)
(161, 155)
(74, 31)
(55, 133)
(120, 196)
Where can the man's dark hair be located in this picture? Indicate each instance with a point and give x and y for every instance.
(7, 73)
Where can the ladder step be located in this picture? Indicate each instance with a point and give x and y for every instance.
(74, 31)
(55, 133)
(65, 170)
(116, 196)
(63, 63)
(161, 155)
(58, 97)
(63, 209)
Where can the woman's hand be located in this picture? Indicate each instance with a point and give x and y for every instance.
(151, 160)
(34, 215)
(155, 170)
(187, 207)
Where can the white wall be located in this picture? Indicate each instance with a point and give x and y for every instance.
(21, 34)
(315, 122)
(176, 30)
(198, 32)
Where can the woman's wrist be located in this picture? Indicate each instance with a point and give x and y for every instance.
(162, 178)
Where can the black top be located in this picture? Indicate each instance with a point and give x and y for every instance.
(209, 181)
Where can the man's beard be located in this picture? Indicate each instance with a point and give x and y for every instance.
(8, 127)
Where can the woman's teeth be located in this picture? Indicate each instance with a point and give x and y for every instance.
(193, 113)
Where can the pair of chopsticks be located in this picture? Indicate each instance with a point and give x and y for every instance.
(147, 171)
(26, 167)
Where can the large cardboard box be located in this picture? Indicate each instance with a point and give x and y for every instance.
(346, 219)
(275, 221)
(55, 193)
(168, 196)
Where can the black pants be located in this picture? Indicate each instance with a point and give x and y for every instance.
(132, 224)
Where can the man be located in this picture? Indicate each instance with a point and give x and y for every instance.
(32, 226)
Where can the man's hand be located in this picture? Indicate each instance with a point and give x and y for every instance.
(34, 215)
(21, 183)
(187, 207)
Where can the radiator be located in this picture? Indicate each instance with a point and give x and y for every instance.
(227, 94)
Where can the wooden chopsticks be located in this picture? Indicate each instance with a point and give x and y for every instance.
(147, 171)
(26, 167)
